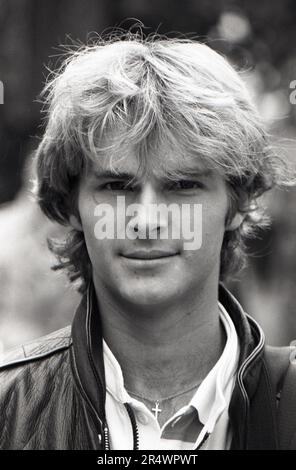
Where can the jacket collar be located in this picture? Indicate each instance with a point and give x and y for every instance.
(249, 423)
(88, 362)
(252, 409)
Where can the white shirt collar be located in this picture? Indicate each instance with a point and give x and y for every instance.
(213, 395)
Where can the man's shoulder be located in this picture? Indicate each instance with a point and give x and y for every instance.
(35, 384)
(30, 371)
(37, 350)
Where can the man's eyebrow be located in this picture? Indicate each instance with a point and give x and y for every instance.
(201, 172)
(196, 173)
(105, 174)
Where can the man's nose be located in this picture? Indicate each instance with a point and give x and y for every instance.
(149, 221)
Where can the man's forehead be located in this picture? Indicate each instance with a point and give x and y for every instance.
(160, 166)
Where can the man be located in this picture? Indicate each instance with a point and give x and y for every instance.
(146, 139)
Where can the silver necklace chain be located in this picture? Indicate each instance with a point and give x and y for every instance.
(160, 400)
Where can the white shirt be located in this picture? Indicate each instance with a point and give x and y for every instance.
(211, 401)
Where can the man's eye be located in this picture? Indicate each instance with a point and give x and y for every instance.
(117, 186)
(185, 184)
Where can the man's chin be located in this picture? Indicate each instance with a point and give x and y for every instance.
(145, 297)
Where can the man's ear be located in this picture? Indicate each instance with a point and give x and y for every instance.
(235, 222)
(75, 222)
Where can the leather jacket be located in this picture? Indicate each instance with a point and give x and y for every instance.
(52, 390)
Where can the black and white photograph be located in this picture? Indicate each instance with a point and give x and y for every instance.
(147, 228)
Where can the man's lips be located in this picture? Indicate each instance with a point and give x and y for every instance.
(148, 254)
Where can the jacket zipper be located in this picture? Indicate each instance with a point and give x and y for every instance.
(135, 429)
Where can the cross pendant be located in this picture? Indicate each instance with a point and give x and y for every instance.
(156, 409)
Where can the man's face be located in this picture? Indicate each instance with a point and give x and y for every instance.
(151, 270)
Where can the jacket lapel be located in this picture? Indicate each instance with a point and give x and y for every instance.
(88, 360)
(252, 409)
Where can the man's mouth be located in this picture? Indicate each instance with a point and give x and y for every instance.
(148, 254)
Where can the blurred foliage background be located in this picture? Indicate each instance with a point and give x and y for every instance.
(259, 36)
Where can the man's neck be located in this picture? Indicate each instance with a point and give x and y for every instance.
(163, 351)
